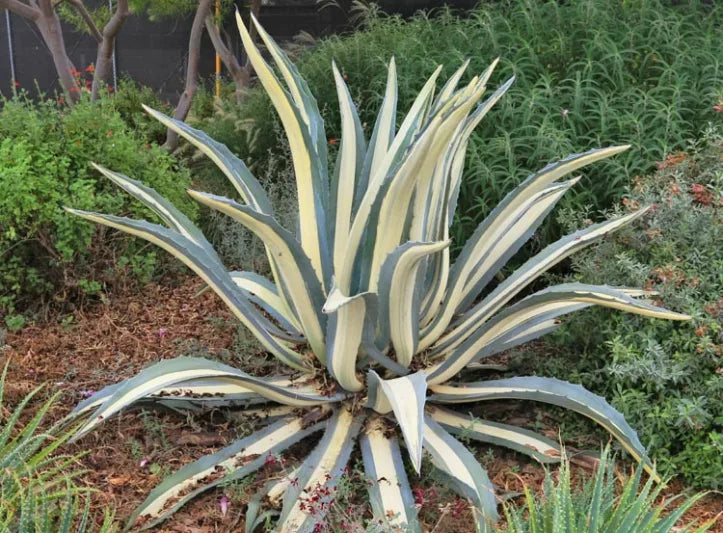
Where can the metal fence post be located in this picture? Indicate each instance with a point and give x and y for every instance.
(10, 46)
(115, 42)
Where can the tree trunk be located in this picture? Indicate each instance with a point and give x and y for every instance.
(104, 57)
(194, 56)
(240, 74)
(43, 15)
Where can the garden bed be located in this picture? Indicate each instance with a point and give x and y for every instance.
(129, 455)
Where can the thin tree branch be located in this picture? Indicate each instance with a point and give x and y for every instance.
(19, 8)
(116, 21)
(228, 58)
(46, 7)
(194, 55)
(106, 46)
(79, 6)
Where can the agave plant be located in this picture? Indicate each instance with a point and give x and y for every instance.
(374, 321)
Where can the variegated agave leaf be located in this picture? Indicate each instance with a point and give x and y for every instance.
(367, 289)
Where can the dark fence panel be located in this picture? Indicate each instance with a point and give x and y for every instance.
(154, 53)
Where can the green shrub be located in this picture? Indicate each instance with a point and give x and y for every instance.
(128, 102)
(589, 73)
(596, 507)
(45, 154)
(666, 378)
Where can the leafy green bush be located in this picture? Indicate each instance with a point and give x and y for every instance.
(128, 102)
(45, 154)
(666, 378)
(596, 508)
(589, 73)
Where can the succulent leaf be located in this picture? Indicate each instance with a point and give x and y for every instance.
(466, 475)
(405, 396)
(552, 391)
(178, 371)
(318, 474)
(231, 463)
(389, 491)
(524, 441)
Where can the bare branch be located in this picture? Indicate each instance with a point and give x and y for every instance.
(194, 56)
(46, 7)
(228, 58)
(116, 21)
(79, 6)
(106, 46)
(19, 8)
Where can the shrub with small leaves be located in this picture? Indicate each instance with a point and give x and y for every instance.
(667, 378)
(45, 154)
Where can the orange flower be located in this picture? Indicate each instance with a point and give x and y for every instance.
(90, 68)
(671, 160)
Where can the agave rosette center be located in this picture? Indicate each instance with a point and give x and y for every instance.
(375, 322)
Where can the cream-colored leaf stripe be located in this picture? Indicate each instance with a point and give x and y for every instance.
(211, 272)
(183, 369)
(311, 219)
(400, 298)
(304, 292)
(268, 293)
(233, 462)
(497, 242)
(321, 468)
(348, 162)
(406, 396)
(468, 476)
(533, 268)
(528, 442)
(389, 491)
(385, 125)
(549, 303)
(345, 328)
(376, 180)
(547, 390)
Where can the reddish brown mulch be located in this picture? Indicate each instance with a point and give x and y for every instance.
(128, 455)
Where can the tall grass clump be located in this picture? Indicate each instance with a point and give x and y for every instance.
(589, 73)
(39, 492)
(608, 502)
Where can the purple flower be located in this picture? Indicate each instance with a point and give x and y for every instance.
(87, 393)
(162, 332)
(143, 463)
(224, 503)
